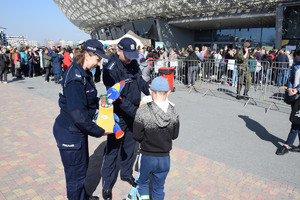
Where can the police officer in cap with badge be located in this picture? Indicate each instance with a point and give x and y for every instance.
(122, 67)
(78, 102)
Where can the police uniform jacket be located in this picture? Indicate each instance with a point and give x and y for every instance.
(78, 102)
(115, 71)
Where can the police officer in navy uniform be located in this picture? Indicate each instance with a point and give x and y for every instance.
(78, 102)
(121, 67)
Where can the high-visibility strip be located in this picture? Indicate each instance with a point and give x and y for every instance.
(145, 197)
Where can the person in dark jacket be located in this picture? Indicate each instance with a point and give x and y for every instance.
(294, 89)
(12, 64)
(78, 103)
(57, 57)
(47, 63)
(4, 63)
(31, 60)
(193, 61)
(122, 67)
(155, 125)
(282, 67)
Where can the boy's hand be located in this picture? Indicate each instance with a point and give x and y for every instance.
(292, 91)
(110, 100)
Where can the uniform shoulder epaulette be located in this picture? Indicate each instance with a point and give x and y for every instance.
(77, 75)
(111, 65)
(73, 74)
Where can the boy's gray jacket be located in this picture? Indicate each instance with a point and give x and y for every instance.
(154, 129)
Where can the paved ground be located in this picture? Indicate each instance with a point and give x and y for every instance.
(224, 151)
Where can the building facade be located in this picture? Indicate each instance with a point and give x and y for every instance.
(3, 39)
(32, 43)
(17, 41)
(176, 23)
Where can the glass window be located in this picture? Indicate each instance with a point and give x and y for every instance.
(248, 34)
(268, 36)
(225, 35)
(203, 36)
(291, 23)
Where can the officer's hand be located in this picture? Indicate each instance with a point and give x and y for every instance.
(107, 132)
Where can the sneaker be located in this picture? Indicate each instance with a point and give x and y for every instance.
(282, 150)
(295, 149)
(189, 85)
(5, 82)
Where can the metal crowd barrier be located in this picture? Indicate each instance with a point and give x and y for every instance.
(268, 82)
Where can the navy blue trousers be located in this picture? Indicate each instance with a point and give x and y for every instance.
(73, 148)
(126, 146)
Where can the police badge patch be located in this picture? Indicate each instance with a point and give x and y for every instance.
(132, 47)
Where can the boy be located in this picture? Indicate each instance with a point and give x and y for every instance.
(156, 124)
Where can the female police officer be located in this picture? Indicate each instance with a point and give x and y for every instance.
(78, 102)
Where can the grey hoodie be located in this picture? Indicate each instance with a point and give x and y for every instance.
(154, 129)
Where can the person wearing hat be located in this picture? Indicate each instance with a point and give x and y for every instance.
(122, 67)
(78, 102)
(293, 91)
(155, 125)
(243, 70)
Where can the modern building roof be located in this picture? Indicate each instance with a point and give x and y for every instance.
(89, 15)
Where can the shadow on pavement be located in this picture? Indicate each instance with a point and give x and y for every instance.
(94, 175)
(260, 131)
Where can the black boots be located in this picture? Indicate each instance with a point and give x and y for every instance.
(107, 194)
(131, 181)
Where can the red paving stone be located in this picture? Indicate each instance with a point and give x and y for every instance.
(31, 167)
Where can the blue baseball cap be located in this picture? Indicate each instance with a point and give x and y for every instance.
(160, 84)
(95, 46)
(128, 46)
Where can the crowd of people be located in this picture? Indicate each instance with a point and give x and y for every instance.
(211, 64)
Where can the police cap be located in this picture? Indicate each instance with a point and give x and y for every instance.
(95, 46)
(128, 46)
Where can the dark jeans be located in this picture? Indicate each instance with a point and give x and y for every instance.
(47, 74)
(3, 73)
(25, 70)
(56, 78)
(12, 69)
(37, 69)
(295, 130)
(159, 168)
(30, 70)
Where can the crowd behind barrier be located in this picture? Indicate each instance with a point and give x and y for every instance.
(268, 82)
(213, 70)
